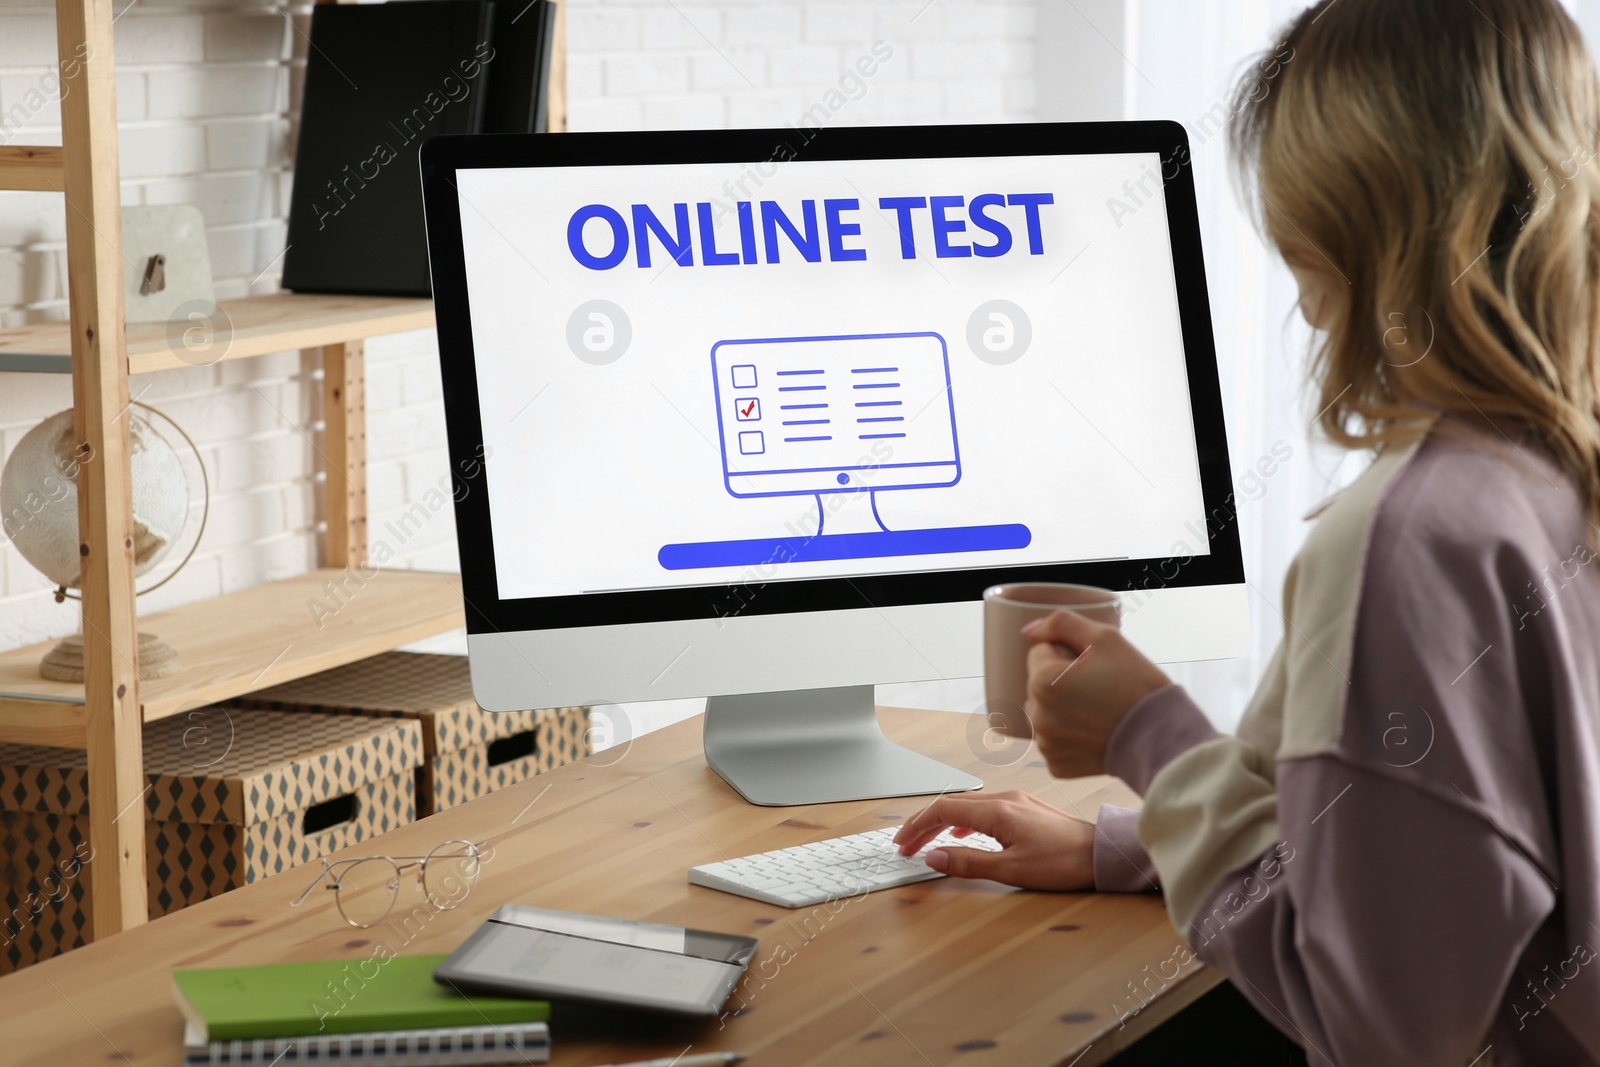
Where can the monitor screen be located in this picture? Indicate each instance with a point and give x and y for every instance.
(710, 374)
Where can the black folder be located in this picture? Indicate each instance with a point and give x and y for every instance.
(380, 80)
(524, 33)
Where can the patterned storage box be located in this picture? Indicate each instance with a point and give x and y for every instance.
(470, 752)
(233, 796)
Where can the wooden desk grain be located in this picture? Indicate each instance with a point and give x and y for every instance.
(938, 973)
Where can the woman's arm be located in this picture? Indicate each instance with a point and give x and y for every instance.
(1384, 928)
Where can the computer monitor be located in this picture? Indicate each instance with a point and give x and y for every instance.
(757, 415)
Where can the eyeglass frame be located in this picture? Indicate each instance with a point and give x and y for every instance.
(338, 869)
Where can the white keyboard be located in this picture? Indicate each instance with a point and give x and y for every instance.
(804, 875)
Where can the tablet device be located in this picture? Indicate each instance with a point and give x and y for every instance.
(586, 959)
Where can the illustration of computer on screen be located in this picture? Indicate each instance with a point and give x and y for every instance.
(812, 416)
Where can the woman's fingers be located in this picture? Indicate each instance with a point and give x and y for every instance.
(1050, 660)
(969, 862)
(1069, 629)
(1042, 846)
(983, 813)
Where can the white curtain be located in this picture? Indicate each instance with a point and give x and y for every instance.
(1184, 60)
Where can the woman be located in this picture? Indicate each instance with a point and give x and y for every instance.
(1397, 857)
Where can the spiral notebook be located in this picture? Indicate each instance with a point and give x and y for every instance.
(458, 1046)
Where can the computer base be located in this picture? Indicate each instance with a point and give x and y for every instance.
(816, 746)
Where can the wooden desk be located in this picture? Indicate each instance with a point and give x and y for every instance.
(936, 973)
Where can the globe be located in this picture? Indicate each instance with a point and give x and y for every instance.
(39, 497)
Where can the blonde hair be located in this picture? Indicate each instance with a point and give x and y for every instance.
(1439, 159)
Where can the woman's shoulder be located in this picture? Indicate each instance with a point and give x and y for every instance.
(1456, 491)
(1467, 493)
(1431, 544)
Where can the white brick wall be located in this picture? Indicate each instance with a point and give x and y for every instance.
(206, 98)
(647, 64)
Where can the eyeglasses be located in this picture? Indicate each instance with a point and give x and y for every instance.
(365, 888)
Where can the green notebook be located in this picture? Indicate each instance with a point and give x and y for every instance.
(336, 997)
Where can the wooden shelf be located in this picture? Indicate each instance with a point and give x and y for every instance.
(244, 641)
(35, 168)
(254, 326)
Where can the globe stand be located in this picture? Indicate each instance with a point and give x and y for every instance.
(64, 663)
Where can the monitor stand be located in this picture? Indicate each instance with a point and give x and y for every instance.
(816, 746)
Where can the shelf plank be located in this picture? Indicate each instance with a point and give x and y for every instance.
(59, 723)
(34, 168)
(253, 326)
(244, 641)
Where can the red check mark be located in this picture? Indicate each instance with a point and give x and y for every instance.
(747, 409)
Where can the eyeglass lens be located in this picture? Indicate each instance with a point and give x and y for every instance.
(367, 891)
(449, 872)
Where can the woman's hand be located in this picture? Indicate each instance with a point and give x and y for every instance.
(1083, 677)
(1045, 848)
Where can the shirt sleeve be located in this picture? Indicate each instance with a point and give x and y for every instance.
(1160, 727)
(1121, 864)
(1373, 869)
(1211, 805)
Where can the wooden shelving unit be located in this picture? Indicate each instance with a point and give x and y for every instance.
(250, 327)
(248, 640)
(241, 641)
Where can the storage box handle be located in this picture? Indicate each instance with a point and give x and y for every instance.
(515, 747)
(333, 812)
